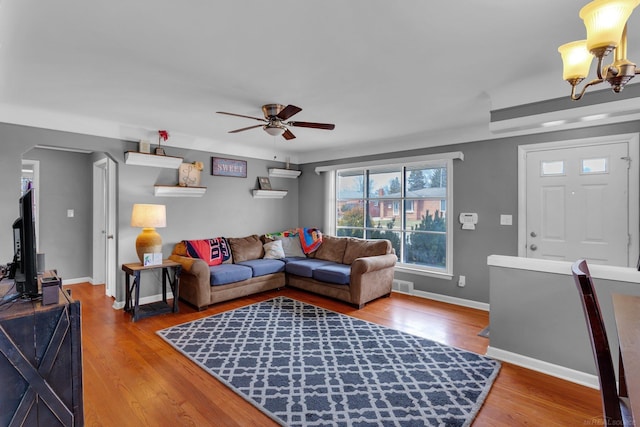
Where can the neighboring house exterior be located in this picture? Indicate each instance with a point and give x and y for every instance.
(387, 208)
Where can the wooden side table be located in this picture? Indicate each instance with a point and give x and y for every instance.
(134, 269)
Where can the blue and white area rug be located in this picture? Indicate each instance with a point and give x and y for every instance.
(306, 366)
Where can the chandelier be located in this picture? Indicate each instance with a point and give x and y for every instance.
(606, 24)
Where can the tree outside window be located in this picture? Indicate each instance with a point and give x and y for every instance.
(401, 204)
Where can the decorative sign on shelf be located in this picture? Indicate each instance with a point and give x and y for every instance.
(264, 182)
(189, 174)
(228, 167)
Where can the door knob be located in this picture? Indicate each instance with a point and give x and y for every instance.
(533, 234)
(533, 247)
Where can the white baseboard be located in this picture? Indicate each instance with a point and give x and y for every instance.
(448, 299)
(557, 371)
(76, 280)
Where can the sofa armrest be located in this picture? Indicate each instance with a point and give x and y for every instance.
(194, 266)
(195, 281)
(373, 263)
(371, 277)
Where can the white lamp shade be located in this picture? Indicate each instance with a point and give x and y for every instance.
(576, 60)
(605, 20)
(149, 216)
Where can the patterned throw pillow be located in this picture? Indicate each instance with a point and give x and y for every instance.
(273, 250)
(212, 251)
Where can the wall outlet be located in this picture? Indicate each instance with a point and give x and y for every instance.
(70, 213)
(462, 281)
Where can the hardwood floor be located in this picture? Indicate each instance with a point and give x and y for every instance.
(133, 378)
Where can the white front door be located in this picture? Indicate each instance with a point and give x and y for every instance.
(577, 203)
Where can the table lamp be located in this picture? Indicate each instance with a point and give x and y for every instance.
(148, 217)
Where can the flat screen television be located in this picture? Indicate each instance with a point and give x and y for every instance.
(24, 241)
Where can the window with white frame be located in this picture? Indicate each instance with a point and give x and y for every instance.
(404, 204)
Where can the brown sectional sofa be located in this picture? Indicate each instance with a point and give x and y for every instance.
(349, 269)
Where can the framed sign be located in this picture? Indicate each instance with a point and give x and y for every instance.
(264, 182)
(228, 167)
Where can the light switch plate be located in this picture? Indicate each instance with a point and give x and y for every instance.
(506, 220)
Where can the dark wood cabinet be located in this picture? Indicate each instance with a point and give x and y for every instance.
(40, 362)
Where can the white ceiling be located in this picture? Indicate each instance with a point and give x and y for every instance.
(390, 75)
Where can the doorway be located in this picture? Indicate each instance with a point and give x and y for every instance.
(579, 199)
(104, 224)
(30, 178)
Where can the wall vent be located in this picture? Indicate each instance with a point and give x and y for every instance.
(402, 286)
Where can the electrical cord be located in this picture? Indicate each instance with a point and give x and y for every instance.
(9, 297)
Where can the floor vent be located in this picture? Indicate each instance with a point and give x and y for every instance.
(402, 286)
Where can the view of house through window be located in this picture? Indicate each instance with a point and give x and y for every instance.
(406, 205)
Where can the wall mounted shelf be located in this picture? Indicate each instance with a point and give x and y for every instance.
(146, 159)
(284, 173)
(269, 194)
(178, 191)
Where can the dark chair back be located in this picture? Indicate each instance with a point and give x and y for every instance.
(599, 343)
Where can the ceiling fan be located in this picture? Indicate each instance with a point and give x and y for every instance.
(275, 116)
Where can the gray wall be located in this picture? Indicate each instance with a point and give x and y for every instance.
(538, 315)
(486, 183)
(65, 183)
(227, 208)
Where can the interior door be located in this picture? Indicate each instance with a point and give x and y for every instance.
(577, 203)
(104, 245)
(110, 222)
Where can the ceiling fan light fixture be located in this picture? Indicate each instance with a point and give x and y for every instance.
(275, 119)
(273, 130)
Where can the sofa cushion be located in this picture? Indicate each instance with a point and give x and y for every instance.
(273, 250)
(291, 245)
(339, 274)
(229, 273)
(261, 267)
(358, 248)
(304, 267)
(293, 258)
(331, 249)
(246, 248)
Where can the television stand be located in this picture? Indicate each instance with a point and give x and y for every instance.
(42, 360)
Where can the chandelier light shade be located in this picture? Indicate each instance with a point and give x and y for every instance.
(606, 25)
(605, 20)
(148, 217)
(577, 60)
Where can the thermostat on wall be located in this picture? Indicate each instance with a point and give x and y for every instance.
(468, 220)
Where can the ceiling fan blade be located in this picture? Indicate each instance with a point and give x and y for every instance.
(247, 128)
(288, 111)
(242, 115)
(327, 126)
(288, 135)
